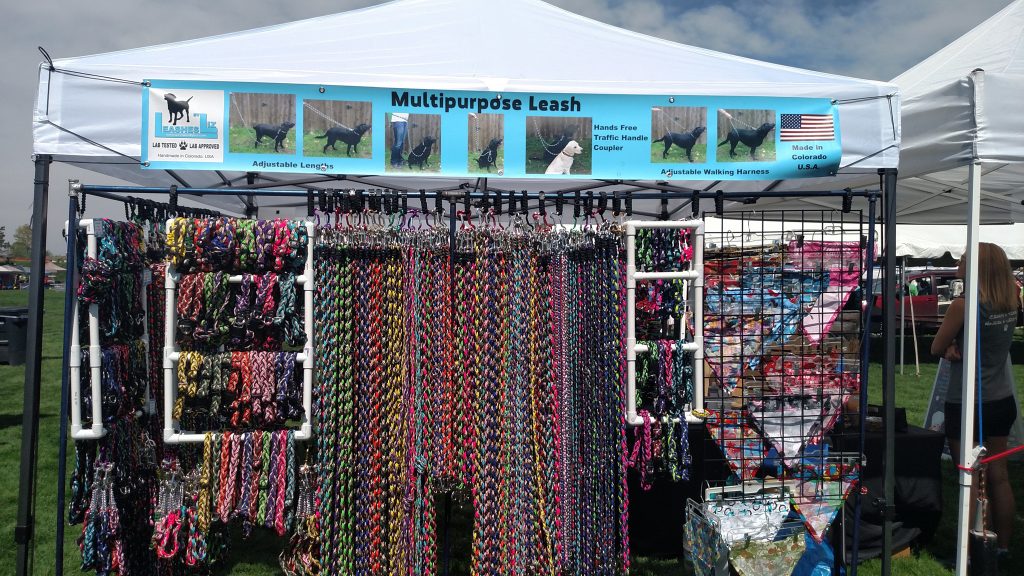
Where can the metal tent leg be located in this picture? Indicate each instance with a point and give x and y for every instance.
(65, 393)
(23, 528)
(889, 368)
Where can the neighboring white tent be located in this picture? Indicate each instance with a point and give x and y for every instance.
(962, 162)
(435, 44)
(951, 117)
(935, 241)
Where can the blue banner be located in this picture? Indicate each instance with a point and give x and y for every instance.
(400, 132)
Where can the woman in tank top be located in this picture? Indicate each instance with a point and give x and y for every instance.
(998, 302)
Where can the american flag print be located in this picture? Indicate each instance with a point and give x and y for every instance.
(807, 127)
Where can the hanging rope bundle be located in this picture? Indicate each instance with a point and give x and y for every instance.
(453, 371)
(114, 479)
(665, 372)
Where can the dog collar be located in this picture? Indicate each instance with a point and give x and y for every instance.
(563, 152)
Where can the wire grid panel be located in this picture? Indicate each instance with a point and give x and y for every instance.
(172, 432)
(783, 332)
(692, 341)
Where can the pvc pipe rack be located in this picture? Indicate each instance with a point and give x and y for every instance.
(172, 432)
(695, 294)
(96, 430)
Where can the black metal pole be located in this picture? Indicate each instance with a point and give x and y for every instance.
(65, 385)
(889, 368)
(865, 360)
(23, 529)
(478, 193)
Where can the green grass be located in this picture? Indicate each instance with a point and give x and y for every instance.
(677, 155)
(258, 556)
(242, 140)
(937, 556)
(473, 168)
(765, 152)
(313, 147)
(535, 149)
(12, 380)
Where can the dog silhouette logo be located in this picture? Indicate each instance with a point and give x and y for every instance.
(322, 167)
(183, 145)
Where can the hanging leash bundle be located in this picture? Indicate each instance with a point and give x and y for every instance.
(114, 479)
(494, 371)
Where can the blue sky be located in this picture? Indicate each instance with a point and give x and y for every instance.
(874, 39)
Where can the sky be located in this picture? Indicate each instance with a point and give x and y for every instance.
(872, 39)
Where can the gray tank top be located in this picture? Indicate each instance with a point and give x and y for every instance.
(994, 341)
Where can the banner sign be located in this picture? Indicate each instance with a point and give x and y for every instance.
(383, 131)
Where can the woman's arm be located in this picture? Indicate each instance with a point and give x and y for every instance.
(951, 324)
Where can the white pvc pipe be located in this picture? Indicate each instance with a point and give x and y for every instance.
(698, 318)
(970, 352)
(631, 324)
(687, 275)
(96, 430)
(308, 285)
(170, 320)
(171, 354)
(696, 292)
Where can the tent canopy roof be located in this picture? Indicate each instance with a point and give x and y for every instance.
(951, 117)
(436, 44)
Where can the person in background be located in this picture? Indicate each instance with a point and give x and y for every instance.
(399, 129)
(997, 311)
(913, 287)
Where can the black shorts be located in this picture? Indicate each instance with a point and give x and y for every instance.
(998, 417)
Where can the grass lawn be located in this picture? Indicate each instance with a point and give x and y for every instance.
(258, 556)
(677, 155)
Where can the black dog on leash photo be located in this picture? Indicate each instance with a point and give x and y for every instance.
(749, 138)
(684, 140)
(276, 132)
(177, 109)
(350, 136)
(489, 157)
(420, 155)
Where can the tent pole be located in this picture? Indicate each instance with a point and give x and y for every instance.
(888, 369)
(23, 529)
(65, 386)
(869, 297)
(903, 310)
(969, 349)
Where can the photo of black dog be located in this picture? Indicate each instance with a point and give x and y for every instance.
(420, 155)
(276, 132)
(489, 156)
(351, 137)
(684, 140)
(750, 138)
(177, 108)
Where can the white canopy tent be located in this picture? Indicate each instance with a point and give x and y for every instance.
(438, 45)
(935, 241)
(962, 162)
(88, 111)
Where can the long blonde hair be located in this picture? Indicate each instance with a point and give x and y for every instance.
(997, 289)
